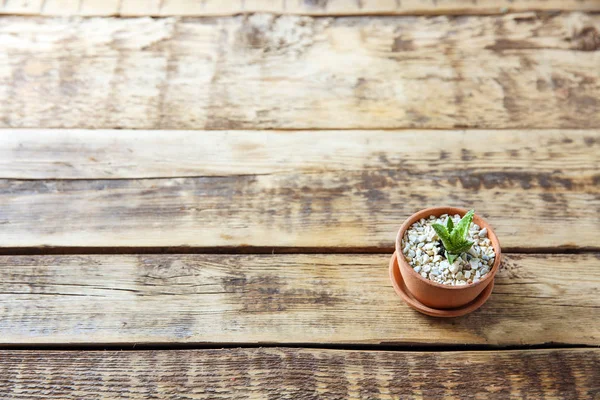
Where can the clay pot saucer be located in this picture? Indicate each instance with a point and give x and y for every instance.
(402, 291)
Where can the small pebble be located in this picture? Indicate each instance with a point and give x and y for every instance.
(454, 267)
(483, 233)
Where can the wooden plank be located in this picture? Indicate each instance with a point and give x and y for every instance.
(140, 154)
(66, 8)
(21, 6)
(158, 8)
(300, 298)
(280, 373)
(300, 189)
(290, 72)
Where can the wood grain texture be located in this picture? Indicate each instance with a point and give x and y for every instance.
(307, 7)
(279, 373)
(539, 189)
(300, 298)
(291, 72)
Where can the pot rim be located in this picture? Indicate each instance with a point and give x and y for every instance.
(437, 211)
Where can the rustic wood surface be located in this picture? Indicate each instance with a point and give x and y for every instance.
(304, 135)
(279, 373)
(290, 72)
(295, 298)
(291, 189)
(306, 7)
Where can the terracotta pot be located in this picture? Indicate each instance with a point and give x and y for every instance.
(433, 294)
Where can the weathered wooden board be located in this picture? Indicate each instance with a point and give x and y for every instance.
(268, 72)
(279, 373)
(539, 189)
(306, 7)
(138, 154)
(300, 298)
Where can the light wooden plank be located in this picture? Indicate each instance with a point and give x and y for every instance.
(539, 189)
(279, 373)
(301, 298)
(268, 72)
(298, 7)
(76, 8)
(140, 154)
(99, 7)
(57, 7)
(21, 6)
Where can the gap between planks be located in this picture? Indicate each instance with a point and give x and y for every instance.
(40, 251)
(403, 347)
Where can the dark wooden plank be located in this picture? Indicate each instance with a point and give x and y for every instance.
(538, 189)
(279, 373)
(301, 298)
(269, 72)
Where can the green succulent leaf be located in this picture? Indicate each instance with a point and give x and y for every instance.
(450, 224)
(451, 257)
(460, 232)
(461, 247)
(443, 234)
(454, 237)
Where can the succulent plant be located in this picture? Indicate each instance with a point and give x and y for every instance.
(454, 238)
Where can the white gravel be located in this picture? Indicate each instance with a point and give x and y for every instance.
(424, 253)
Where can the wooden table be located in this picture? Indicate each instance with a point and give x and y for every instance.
(202, 204)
